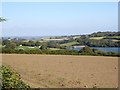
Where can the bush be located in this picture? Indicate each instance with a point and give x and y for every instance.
(86, 50)
(43, 47)
(11, 79)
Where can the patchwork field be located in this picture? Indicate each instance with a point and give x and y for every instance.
(64, 71)
(69, 44)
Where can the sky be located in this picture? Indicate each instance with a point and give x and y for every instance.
(58, 18)
(60, 0)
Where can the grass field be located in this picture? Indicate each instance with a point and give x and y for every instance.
(69, 44)
(116, 40)
(96, 38)
(115, 37)
(64, 70)
(0, 45)
(27, 48)
(55, 49)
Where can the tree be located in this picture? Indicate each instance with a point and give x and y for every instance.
(11, 45)
(37, 43)
(43, 47)
(2, 19)
(86, 50)
(52, 44)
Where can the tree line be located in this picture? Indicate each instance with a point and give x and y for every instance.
(97, 43)
(84, 51)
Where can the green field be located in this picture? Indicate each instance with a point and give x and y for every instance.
(0, 45)
(69, 44)
(116, 40)
(96, 38)
(77, 37)
(116, 37)
(54, 49)
(108, 37)
(27, 48)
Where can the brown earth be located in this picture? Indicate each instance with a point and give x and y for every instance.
(64, 70)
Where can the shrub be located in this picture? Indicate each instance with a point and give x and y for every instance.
(11, 79)
(86, 50)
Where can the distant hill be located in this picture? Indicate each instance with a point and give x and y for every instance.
(101, 34)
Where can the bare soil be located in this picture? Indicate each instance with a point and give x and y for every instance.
(64, 70)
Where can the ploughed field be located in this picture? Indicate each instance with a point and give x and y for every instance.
(64, 70)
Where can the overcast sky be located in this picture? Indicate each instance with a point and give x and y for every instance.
(52, 19)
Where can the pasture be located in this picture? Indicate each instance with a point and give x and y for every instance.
(96, 38)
